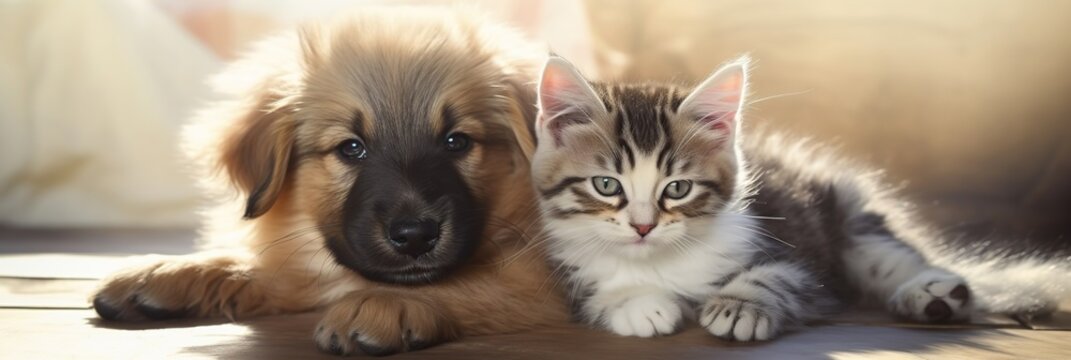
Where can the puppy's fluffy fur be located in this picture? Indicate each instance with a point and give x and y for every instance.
(272, 143)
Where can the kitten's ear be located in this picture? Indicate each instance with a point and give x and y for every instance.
(565, 99)
(718, 101)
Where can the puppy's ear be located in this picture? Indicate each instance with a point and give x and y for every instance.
(256, 148)
(522, 119)
(519, 71)
(243, 144)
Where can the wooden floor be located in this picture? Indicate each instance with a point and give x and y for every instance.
(44, 315)
(53, 334)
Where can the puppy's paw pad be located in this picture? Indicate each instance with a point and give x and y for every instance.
(739, 320)
(382, 323)
(933, 297)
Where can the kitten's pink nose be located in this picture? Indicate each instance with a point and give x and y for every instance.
(642, 229)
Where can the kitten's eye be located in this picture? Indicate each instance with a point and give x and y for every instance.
(677, 189)
(352, 149)
(607, 186)
(457, 142)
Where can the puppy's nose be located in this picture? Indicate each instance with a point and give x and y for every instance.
(643, 229)
(413, 237)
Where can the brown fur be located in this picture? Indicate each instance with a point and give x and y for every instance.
(272, 145)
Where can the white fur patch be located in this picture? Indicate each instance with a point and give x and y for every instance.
(640, 295)
(637, 313)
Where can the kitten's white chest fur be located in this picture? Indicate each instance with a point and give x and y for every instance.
(683, 269)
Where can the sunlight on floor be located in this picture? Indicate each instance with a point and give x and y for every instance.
(979, 345)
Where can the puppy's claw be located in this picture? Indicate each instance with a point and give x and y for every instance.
(383, 323)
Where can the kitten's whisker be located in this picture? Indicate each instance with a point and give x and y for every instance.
(287, 259)
(679, 248)
(761, 231)
(319, 275)
(494, 220)
(777, 96)
(763, 217)
(316, 279)
(293, 235)
(589, 243)
(517, 256)
(576, 283)
(711, 247)
(530, 244)
(752, 243)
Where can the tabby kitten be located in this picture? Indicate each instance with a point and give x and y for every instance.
(657, 209)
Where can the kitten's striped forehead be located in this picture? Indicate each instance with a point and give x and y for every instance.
(641, 114)
(642, 142)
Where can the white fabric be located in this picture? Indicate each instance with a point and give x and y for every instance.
(93, 92)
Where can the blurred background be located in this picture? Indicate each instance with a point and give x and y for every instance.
(966, 103)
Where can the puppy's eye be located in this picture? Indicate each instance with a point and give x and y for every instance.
(607, 186)
(352, 149)
(457, 142)
(677, 189)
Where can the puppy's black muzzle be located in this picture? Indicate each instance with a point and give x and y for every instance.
(408, 219)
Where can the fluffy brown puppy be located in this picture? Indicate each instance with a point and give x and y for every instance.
(380, 162)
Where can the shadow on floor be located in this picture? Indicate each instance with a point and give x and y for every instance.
(290, 336)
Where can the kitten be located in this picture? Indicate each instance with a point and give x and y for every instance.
(658, 209)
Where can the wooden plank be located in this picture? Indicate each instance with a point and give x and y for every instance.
(45, 294)
(32, 334)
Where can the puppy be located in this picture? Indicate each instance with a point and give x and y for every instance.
(380, 166)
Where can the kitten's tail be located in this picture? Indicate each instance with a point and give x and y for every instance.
(1008, 283)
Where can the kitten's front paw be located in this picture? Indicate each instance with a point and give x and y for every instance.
(645, 316)
(383, 322)
(933, 296)
(740, 320)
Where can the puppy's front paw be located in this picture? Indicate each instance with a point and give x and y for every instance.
(181, 286)
(932, 296)
(645, 316)
(383, 322)
(740, 320)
